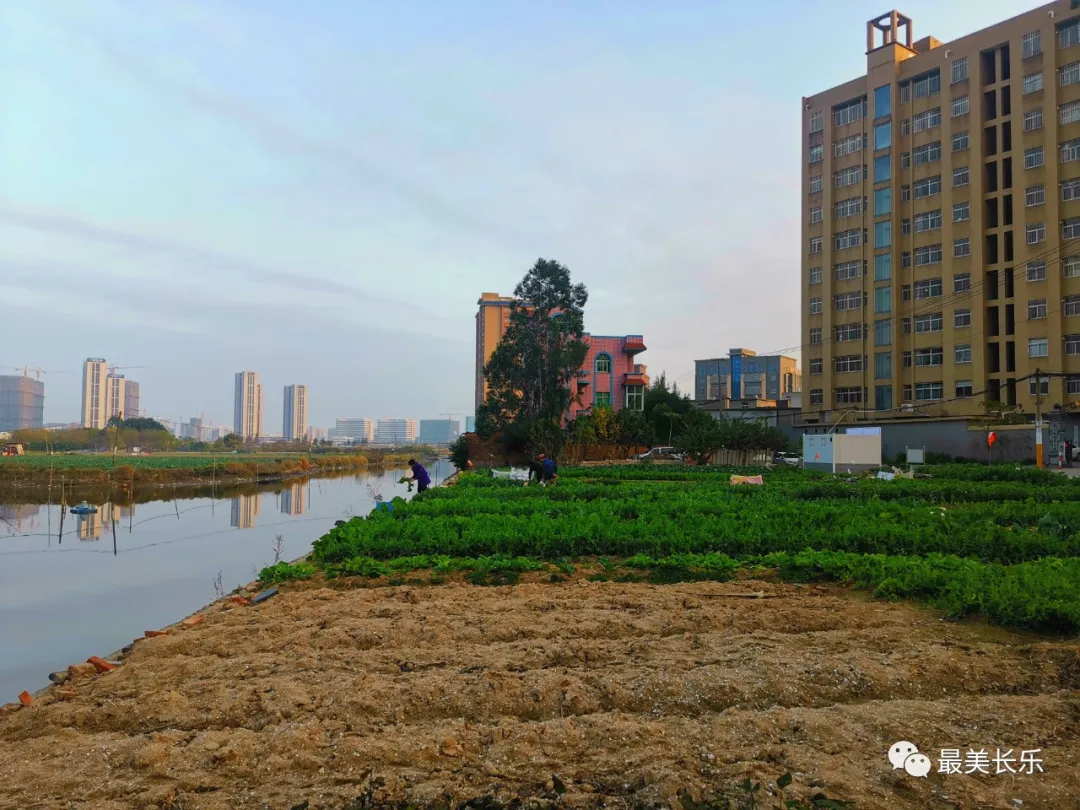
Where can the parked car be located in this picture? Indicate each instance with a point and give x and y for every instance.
(660, 453)
(791, 459)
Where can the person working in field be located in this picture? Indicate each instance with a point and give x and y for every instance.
(419, 475)
(551, 469)
(536, 470)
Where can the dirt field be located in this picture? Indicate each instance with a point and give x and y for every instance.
(629, 693)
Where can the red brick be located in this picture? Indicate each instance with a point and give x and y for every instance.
(191, 620)
(100, 664)
(25, 698)
(155, 633)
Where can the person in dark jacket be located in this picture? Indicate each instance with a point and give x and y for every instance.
(536, 470)
(551, 469)
(420, 476)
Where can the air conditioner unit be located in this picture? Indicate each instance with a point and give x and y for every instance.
(907, 407)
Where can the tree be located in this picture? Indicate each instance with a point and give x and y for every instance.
(532, 373)
(141, 423)
(634, 430)
(664, 408)
(231, 441)
(459, 453)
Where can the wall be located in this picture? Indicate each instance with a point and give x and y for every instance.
(612, 382)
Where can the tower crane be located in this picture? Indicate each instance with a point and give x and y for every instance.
(37, 371)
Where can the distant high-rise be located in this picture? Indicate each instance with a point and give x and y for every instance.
(470, 424)
(294, 423)
(439, 431)
(94, 389)
(22, 402)
(247, 406)
(115, 396)
(353, 430)
(131, 400)
(316, 434)
(395, 431)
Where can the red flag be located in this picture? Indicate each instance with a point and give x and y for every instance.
(991, 437)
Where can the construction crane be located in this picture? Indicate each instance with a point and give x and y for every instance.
(112, 369)
(37, 371)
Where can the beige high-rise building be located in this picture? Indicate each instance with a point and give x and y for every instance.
(492, 319)
(115, 396)
(247, 406)
(94, 393)
(941, 222)
(294, 422)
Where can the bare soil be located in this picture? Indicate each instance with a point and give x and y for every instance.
(631, 694)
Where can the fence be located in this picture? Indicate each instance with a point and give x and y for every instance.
(740, 458)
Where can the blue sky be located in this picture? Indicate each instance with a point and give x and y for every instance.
(320, 191)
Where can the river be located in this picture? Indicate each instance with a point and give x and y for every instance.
(127, 569)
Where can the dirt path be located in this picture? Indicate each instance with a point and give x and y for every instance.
(628, 692)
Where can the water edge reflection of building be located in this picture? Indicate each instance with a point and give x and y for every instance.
(20, 518)
(244, 510)
(89, 527)
(292, 499)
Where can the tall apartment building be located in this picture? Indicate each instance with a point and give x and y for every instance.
(115, 396)
(941, 221)
(294, 422)
(395, 431)
(132, 401)
(247, 406)
(492, 318)
(439, 431)
(22, 402)
(94, 401)
(744, 374)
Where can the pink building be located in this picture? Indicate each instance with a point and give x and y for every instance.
(610, 376)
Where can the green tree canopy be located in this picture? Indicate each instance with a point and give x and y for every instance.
(665, 407)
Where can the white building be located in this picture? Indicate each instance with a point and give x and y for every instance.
(352, 430)
(294, 422)
(94, 393)
(247, 406)
(395, 431)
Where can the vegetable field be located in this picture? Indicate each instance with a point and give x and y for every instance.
(999, 542)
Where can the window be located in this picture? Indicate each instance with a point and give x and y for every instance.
(848, 113)
(817, 153)
(815, 333)
(933, 356)
(928, 288)
(928, 85)
(1038, 347)
(816, 365)
(882, 201)
(1032, 82)
(1069, 74)
(927, 153)
(1036, 233)
(603, 364)
(883, 136)
(905, 292)
(1069, 34)
(815, 184)
(847, 396)
(960, 141)
(1072, 344)
(817, 121)
(959, 69)
(907, 393)
(961, 212)
(929, 119)
(602, 399)
(882, 299)
(1034, 195)
(1033, 120)
(929, 391)
(846, 301)
(815, 214)
(1071, 305)
(848, 239)
(883, 365)
(960, 177)
(815, 275)
(928, 187)
(882, 168)
(964, 389)
(815, 306)
(815, 244)
(931, 254)
(635, 397)
(848, 208)
(883, 267)
(1070, 151)
(905, 259)
(1068, 113)
(847, 177)
(883, 234)
(929, 323)
(848, 331)
(905, 326)
(1072, 385)
(961, 248)
(845, 146)
(1031, 43)
(1036, 271)
(1036, 309)
(905, 126)
(1070, 228)
(960, 106)
(905, 160)
(961, 282)
(883, 332)
(882, 100)
(846, 363)
(1033, 158)
(1041, 382)
(817, 396)
(847, 270)
(928, 221)
(905, 193)
(961, 318)
(1070, 190)
(1070, 266)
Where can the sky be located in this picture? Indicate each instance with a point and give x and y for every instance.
(320, 191)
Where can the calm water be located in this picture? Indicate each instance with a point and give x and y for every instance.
(128, 569)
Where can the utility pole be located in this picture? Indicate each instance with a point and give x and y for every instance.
(1038, 420)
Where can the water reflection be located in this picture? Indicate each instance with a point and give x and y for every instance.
(292, 498)
(244, 510)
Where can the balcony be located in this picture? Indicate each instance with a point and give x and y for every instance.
(634, 344)
(638, 376)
